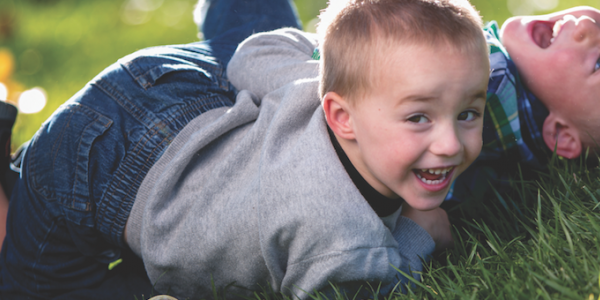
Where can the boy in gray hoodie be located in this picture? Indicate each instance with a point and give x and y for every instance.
(294, 190)
(283, 188)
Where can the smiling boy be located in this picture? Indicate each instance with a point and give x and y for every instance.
(417, 126)
(315, 184)
(542, 97)
(281, 189)
(558, 57)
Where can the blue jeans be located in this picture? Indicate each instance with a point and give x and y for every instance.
(81, 171)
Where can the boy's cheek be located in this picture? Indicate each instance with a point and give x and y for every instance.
(510, 29)
(474, 147)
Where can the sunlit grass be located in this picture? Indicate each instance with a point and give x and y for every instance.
(543, 244)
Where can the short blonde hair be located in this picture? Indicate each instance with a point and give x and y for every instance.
(352, 34)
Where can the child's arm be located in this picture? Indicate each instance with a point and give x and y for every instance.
(435, 222)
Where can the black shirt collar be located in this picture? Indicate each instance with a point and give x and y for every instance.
(382, 205)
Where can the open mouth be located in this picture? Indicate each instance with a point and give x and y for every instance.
(543, 33)
(433, 176)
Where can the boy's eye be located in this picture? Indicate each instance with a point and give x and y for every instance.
(418, 119)
(597, 65)
(468, 115)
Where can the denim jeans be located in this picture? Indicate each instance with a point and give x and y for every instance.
(81, 171)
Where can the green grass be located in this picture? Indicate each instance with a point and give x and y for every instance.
(542, 243)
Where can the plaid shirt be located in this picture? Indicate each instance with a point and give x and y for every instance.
(512, 127)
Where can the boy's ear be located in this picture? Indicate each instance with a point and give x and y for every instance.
(561, 135)
(338, 115)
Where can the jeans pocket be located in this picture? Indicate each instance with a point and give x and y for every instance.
(59, 155)
(150, 66)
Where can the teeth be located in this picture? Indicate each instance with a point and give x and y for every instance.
(437, 171)
(556, 29)
(559, 24)
(430, 182)
(444, 172)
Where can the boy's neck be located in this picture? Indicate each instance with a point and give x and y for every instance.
(382, 205)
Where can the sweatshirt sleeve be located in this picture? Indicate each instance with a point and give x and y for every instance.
(266, 61)
(348, 272)
(414, 243)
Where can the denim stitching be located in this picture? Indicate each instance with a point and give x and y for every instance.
(76, 179)
(54, 152)
(40, 251)
(216, 70)
(114, 230)
(187, 111)
(132, 109)
(71, 109)
(129, 197)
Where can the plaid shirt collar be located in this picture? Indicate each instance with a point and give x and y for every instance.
(514, 116)
(512, 127)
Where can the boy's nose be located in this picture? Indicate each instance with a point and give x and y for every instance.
(585, 29)
(447, 142)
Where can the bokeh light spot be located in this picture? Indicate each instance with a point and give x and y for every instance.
(137, 12)
(146, 5)
(133, 16)
(545, 5)
(530, 7)
(3, 92)
(32, 101)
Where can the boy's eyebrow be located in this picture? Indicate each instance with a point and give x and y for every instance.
(482, 94)
(418, 98)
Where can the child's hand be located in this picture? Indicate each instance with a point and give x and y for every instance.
(435, 222)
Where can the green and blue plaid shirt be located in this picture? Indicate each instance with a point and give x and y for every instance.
(512, 127)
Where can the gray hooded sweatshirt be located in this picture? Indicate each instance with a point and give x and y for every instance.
(254, 196)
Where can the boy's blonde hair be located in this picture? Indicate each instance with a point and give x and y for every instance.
(355, 33)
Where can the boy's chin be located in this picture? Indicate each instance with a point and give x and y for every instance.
(426, 205)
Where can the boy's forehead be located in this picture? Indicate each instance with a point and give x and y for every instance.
(404, 53)
(425, 67)
(441, 46)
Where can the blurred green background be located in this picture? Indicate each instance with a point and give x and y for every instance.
(54, 47)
